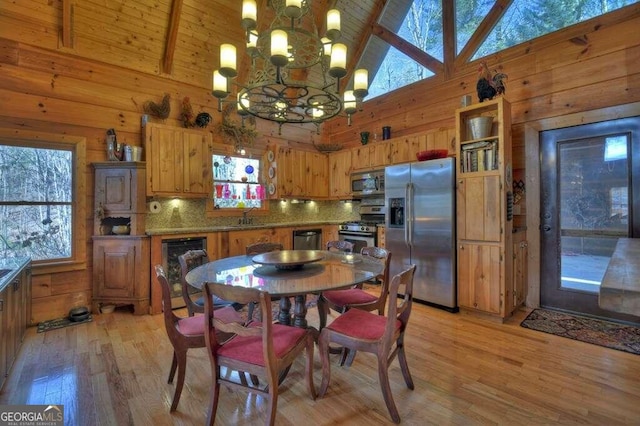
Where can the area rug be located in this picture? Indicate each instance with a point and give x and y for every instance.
(589, 330)
(60, 323)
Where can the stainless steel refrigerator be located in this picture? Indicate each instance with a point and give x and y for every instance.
(420, 227)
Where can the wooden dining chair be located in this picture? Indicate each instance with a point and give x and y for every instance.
(381, 335)
(189, 260)
(259, 248)
(343, 300)
(340, 245)
(262, 247)
(263, 349)
(184, 333)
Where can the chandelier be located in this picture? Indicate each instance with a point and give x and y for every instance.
(295, 74)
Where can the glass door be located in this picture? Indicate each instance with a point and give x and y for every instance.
(587, 202)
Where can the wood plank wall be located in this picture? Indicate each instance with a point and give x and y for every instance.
(113, 66)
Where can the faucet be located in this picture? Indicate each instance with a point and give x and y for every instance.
(246, 220)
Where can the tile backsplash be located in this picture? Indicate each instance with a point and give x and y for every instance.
(187, 213)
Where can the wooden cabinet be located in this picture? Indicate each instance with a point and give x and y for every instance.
(302, 174)
(239, 240)
(479, 275)
(120, 196)
(178, 161)
(121, 272)
(485, 249)
(519, 281)
(340, 174)
(15, 316)
(372, 156)
(329, 233)
(381, 240)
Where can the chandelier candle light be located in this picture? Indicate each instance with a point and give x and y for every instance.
(284, 58)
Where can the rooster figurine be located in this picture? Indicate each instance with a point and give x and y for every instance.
(485, 85)
(187, 115)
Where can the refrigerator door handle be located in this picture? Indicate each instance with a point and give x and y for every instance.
(409, 214)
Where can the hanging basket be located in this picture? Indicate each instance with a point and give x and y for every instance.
(327, 147)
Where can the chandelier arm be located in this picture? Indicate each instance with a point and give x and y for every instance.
(276, 88)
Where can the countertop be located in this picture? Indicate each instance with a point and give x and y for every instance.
(14, 265)
(202, 230)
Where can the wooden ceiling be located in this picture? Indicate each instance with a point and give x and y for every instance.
(180, 39)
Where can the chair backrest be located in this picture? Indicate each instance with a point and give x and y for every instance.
(384, 256)
(339, 245)
(189, 260)
(170, 319)
(399, 312)
(258, 248)
(242, 295)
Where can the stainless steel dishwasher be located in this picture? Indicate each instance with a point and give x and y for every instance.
(307, 239)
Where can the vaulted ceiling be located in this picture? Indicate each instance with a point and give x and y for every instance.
(180, 39)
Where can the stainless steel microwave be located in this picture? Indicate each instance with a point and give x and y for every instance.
(367, 184)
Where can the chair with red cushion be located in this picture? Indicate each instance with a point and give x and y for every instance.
(381, 335)
(263, 349)
(340, 245)
(343, 300)
(189, 260)
(184, 333)
(259, 248)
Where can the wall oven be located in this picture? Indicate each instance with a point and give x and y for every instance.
(358, 234)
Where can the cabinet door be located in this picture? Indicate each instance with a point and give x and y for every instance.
(479, 208)
(114, 266)
(164, 160)
(403, 150)
(317, 174)
(239, 240)
(340, 172)
(113, 189)
(360, 157)
(479, 280)
(196, 163)
(379, 155)
(382, 237)
(329, 233)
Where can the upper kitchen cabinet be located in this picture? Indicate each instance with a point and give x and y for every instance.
(119, 196)
(404, 149)
(178, 161)
(372, 156)
(301, 174)
(340, 167)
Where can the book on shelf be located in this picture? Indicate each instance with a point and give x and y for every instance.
(479, 156)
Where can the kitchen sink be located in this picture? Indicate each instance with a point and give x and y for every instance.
(4, 272)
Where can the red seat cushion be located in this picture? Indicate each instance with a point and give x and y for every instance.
(360, 324)
(191, 326)
(249, 349)
(350, 296)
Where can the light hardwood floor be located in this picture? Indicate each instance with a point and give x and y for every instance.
(113, 371)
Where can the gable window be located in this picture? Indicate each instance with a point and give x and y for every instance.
(41, 204)
(525, 20)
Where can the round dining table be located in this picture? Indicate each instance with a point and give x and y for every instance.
(289, 273)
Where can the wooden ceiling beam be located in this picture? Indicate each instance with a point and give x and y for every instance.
(449, 37)
(408, 49)
(482, 31)
(362, 41)
(172, 36)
